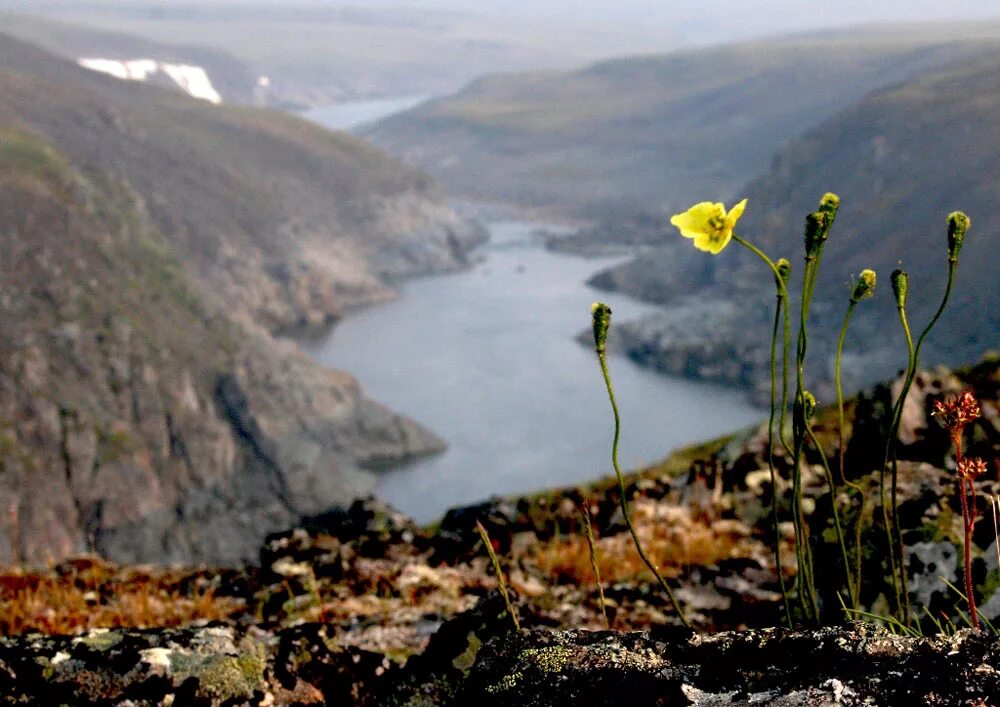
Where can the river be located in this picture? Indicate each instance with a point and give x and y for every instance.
(351, 115)
(487, 359)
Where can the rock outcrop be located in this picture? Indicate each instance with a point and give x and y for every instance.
(473, 661)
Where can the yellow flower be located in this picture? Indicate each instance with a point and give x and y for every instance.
(709, 224)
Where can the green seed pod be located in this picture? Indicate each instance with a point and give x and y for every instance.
(865, 286)
(808, 404)
(900, 287)
(958, 226)
(602, 321)
(784, 269)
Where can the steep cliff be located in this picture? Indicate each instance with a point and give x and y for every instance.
(149, 245)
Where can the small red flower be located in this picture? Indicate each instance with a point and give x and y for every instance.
(956, 413)
(971, 467)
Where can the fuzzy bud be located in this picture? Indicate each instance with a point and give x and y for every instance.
(865, 286)
(958, 226)
(784, 269)
(900, 287)
(829, 205)
(602, 321)
(808, 404)
(815, 233)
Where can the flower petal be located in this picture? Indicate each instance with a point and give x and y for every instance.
(695, 221)
(734, 213)
(713, 241)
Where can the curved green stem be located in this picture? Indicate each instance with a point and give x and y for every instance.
(841, 448)
(807, 589)
(601, 356)
(836, 516)
(895, 548)
(840, 394)
(770, 462)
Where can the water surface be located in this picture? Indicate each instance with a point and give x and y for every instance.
(352, 115)
(487, 359)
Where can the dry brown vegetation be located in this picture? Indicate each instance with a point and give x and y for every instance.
(87, 593)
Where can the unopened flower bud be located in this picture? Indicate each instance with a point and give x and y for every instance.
(829, 204)
(602, 321)
(808, 404)
(865, 286)
(958, 226)
(900, 287)
(784, 269)
(815, 233)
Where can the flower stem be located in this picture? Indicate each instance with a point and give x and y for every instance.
(602, 358)
(836, 517)
(894, 537)
(807, 589)
(842, 451)
(770, 461)
(592, 547)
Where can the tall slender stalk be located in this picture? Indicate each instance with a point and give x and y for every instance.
(588, 530)
(807, 591)
(770, 455)
(602, 321)
(863, 288)
(848, 576)
(958, 226)
(498, 571)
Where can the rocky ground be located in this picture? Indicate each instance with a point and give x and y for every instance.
(364, 607)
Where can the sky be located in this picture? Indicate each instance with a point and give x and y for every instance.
(756, 16)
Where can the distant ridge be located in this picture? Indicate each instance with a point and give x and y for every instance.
(655, 133)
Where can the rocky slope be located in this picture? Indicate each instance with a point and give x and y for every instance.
(151, 245)
(655, 132)
(901, 159)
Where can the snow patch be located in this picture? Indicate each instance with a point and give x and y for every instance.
(193, 80)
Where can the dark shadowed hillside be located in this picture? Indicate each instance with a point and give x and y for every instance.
(149, 243)
(654, 132)
(901, 159)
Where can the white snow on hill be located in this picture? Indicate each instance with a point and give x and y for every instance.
(193, 80)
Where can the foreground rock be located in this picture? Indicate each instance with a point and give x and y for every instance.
(476, 660)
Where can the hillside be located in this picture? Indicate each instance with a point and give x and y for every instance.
(655, 132)
(150, 243)
(901, 159)
(283, 221)
(233, 79)
(318, 53)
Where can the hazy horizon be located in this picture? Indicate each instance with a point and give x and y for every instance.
(682, 24)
